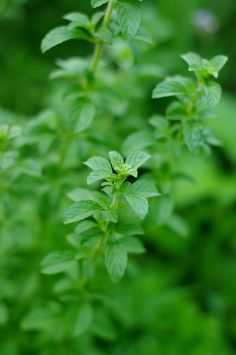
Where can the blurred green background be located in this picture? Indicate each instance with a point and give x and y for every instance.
(186, 302)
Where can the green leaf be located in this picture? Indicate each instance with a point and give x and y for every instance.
(84, 226)
(59, 35)
(164, 209)
(195, 137)
(212, 93)
(91, 237)
(116, 261)
(79, 18)
(217, 63)
(97, 17)
(99, 163)
(95, 176)
(41, 319)
(178, 225)
(81, 210)
(130, 229)
(105, 35)
(134, 161)
(161, 124)
(146, 187)
(97, 3)
(137, 201)
(86, 117)
(193, 60)
(204, 67)
(102, 326)
(168, 88)
(7, 159)
(117, 160)
(80, 194)
(129, 19)
(137, 141)
(57, 261)
(136, 195)
(143, 36)
(101, 169)
(83, 319)
(176, 111)
(133, 245)
(31, 167)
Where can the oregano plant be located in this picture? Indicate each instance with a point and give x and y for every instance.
(100, 231)
(101, 171)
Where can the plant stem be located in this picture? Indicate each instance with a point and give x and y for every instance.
(99, 46)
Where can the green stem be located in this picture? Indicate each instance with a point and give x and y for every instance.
(99, 46)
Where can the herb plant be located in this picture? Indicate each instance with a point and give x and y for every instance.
(89, 123)
(103, 231)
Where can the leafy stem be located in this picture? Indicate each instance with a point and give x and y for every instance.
(97, 214)
(99, 46)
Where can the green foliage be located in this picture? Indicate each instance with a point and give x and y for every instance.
(169, 87)
(202, 67)
(57, 261)
(129, 19)
(100, 234)
(195, 99)
(126, 270)
(115, 260)
(81, 210)
(59, 35)
(83, 319)
(97, 3)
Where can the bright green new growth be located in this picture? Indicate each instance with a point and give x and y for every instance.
(195, 99)
(98, 232)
